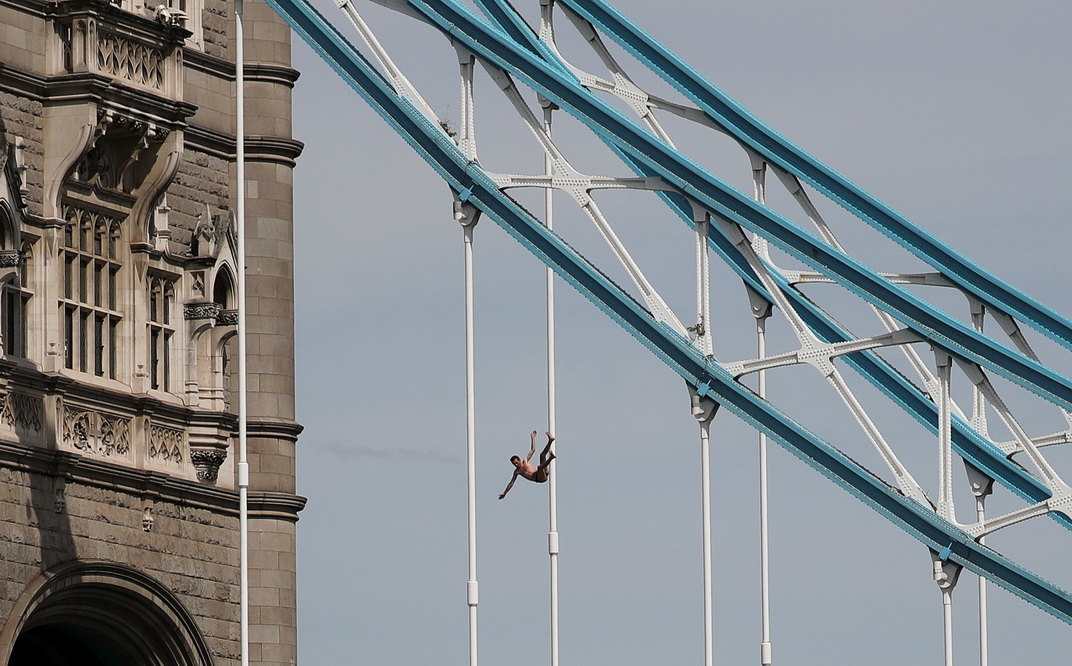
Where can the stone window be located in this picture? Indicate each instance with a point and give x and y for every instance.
(160, 331)
(90, 299)
(16, 306)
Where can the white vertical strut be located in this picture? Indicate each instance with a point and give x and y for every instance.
(552, 416)
(765, 655)
(704, 411)
(240, 231)
(947, 617)
(981, 486)
(705, 489)
(472, 588)
(761, 310)
(984, 649)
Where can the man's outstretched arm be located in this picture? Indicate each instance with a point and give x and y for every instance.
(510, 485)
(532, 449)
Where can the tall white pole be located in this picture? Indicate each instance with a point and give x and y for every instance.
(984, 655)
(472, 589)
(981, 487)
(552, 425)
(761, 310)
(947, 622)
(704, 411)
(765, 643)
(240, 231)
(705, 485)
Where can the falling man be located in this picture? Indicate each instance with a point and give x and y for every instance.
(524, 467)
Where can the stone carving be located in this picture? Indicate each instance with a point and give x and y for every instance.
(207, 463)
(10, 258)
(170, 16)
(165, 445)
(147, 519)
(121, 151)
(201, 311)
(59, 493)
(94, 222)
(210, 233)
(19, 410)
(124, 58)
(94, 433)
(227, 318)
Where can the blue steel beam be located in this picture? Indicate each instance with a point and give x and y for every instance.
(777, 150)
(471, 184)
(460, 24)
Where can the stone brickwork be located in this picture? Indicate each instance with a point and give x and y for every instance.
(201, 187)
(118, 489)
(190, 550)
(216, 24)
(22, 118)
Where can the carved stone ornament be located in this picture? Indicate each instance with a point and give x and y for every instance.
(227, 318)
(10, 258)
(22, 411)
(147, 519)
(121, 152)
(201, 311)
(211, 232)
(95, 433)
(59, 492)
(165, 445)
(207, 463)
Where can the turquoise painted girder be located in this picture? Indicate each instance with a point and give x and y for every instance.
(968, 443)
(472, 185)
(930, 323)
(777, 150)
(693, 182)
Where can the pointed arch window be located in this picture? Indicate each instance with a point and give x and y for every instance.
(16, 306)
(160, 331)
(90, 300)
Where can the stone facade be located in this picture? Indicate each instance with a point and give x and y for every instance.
(118, 432)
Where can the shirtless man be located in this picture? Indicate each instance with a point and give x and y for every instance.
(524, 467)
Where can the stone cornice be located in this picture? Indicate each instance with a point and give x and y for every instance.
(276, 149)
(280, 506)
(89, 471)
(147, 484)
(274, 429)
(35, 8)
(284, 76)
(210, 142)
(209, 64)
(225, 69)
(97, 88)
(279, 150)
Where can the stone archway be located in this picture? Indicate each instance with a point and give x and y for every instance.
(100, 614)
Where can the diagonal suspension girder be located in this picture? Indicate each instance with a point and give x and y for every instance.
(472, 185)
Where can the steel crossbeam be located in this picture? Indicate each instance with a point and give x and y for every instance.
(512, 48)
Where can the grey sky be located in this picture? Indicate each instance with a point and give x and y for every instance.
(953, 113)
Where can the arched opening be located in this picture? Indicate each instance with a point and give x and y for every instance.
(223, 289)
(58, 645)
(101, 614)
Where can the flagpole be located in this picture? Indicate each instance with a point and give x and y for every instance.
(240, 231)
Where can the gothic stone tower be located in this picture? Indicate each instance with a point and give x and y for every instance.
(118, 500)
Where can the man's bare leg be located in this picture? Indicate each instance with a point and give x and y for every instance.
(546, 456)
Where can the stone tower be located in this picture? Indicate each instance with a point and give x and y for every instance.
(118, 499)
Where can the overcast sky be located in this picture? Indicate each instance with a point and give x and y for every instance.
(956, 114)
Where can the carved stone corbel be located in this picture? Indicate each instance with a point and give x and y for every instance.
(207, 462)
(147, 518)
(59, 493)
